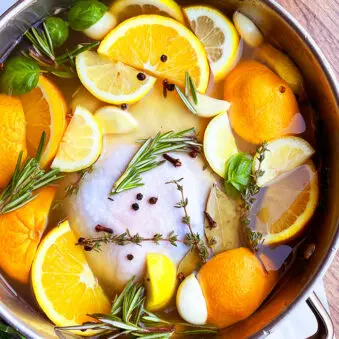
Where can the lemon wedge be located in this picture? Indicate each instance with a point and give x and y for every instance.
(219, 143)
(161, 46)
(81, 144)
(111, 81)
(125, 9)
(63, 284)
(283, 155)
(208, 107)
(218, 35)
(114, 120)
(161, 281)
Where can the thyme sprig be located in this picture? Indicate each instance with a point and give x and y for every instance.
(124, 239)
(254, 239)
(192, 239)
(42, 51)
(74, 187)
(129, 317)
(146, 158)
(190, 90)
(27, 178)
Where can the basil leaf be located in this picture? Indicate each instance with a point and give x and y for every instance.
(58, 30)
(84, 14)
(20, 75)
(238, 173)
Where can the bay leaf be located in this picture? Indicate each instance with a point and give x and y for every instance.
(225, 211)
(190, 262)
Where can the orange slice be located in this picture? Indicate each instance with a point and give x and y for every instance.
(289, 204)
(20, 234)
(161, 46)
(45, 110)
(63, 283)
(12, 136)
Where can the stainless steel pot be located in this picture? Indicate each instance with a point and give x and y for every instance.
(296, 286)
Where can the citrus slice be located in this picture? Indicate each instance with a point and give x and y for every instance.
(111, 81)
(161, 282)
(62, 281)
(219, 143)
(81, 144)
(161, 46)
(288, 205)
(283, 155)
(114, 120)
(125, 9)
(218, 35)
(45, 111)
(18, 243)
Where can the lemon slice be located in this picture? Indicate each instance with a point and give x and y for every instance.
(218, 35)
(111, 81)
(161, 281)
(161, 46)
(63, 283)
(283, 155)
(125, 9)
(81, 144)
(219, 143)
(288, 204)
(114, 120)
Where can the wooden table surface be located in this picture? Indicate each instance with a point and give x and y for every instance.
(321, 20)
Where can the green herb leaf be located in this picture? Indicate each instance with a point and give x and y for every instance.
(58, 30)
(8, 332)
(20, 75)
(238, 173)
(84, 14)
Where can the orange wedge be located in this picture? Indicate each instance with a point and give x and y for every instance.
(45, 110)
(161, 46)
(20, 234)
(289, 204)
(63, 283)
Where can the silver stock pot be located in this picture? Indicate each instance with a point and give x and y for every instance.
(296, 286)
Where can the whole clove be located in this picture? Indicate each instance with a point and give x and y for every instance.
(173, 161)
(100, 228)
(153, 200)
(212, 223)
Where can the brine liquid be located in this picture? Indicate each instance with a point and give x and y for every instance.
(155, 113)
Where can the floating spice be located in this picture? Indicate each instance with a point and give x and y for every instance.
(139, 196)
(141, 76)
(173, 161)
(100, 228)
(163, 58)
(135, 206)
(153, 200)
(124, 107)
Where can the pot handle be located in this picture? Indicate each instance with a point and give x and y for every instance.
(325, 324)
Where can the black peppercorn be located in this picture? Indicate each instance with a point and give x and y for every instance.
(163, 58)
(130, 257)
(153, 200)
(171, 87)
(88, 248)
(124, 107)
(139, 196)
(141, 76)
(135, 206)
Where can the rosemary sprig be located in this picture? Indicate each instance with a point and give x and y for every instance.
(190, 90)
(129, 317)
(146, 158)
(42, 51)
(27, 178)
(255, 239)
(124, 239)
(192, 239)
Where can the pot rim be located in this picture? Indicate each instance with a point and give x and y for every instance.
(330, 76)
